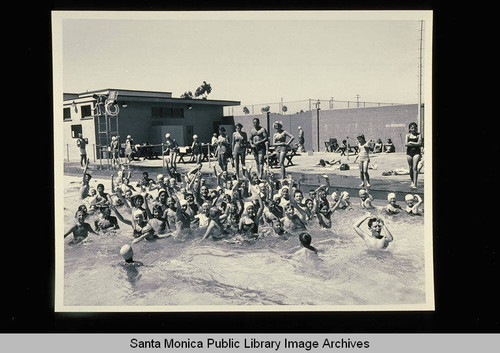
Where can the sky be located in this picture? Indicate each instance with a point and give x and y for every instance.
(251, 57)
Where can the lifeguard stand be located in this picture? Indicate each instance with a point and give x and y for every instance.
(107, 127)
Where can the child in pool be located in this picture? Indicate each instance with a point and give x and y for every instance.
(202, 219)
(365, 199)
(128, 255)
(413, 202)
(378, 236)
(291, 222)
(81, 229)
(215, 228)
(307, 252)
(392, 207)
(250, 220)
(105, 220)
(323, 211)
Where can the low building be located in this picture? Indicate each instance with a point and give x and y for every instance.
(145, 115)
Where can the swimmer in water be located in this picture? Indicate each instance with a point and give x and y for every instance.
(378, 236)
(250, 220)
(127, 253)
(392, 207)
(216, 229)
(307, 251)
(365, 199)
(105, 220)
(81, 229)
(413, 202)
(291, 222)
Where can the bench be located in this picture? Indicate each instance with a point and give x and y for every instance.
(272, 157)
(350, 149)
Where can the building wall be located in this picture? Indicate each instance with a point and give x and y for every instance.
(376, 122)
(136, 120)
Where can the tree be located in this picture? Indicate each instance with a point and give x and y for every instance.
(246, 111)
(204, 90)
(265, 109)
(187, 95)
(284, 108)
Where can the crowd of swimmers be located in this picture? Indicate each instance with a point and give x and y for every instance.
(237, 208)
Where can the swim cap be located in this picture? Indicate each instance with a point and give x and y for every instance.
(335, 195)
(159, 177)
(127, 252)
(129, 137)
(362, 192)
(167, 135)
(248, 204)
(195, 136)
(113, 138)
(162, 190)
(345, 194)
(409, 197)
(391, 196)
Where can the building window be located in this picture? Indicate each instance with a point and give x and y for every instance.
(86, 111)
(76, 130)
(167, 113)
(67, 113)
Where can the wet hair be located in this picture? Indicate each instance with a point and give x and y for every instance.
(371, 221)
(239, 125)
(305, 240)
(222, 129)
(361, 136)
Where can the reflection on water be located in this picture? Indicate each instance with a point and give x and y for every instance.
(188, 271)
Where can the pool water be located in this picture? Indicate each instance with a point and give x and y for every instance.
(187, 271)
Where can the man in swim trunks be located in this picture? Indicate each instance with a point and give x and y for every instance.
(258, 141)
(378, 236)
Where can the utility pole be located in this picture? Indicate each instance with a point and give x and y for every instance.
(420, 78)
(317, 121)
(357, 100)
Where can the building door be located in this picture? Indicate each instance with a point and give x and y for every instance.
(188, 135)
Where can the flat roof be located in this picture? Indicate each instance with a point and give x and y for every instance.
(145, 96)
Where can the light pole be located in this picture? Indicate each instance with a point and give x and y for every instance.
(317, 121)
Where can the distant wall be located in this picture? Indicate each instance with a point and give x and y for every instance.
(375, 122)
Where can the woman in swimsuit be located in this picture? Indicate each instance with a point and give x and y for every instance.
(239, 148)
(249, 222)
(364, 159)
(282, 146)
(413, 152)
(222, 148)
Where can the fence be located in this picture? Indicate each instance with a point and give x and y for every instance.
(300, 106)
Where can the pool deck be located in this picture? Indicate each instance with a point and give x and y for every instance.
(306, 165)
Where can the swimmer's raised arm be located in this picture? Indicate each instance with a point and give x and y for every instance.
(387, 234)
(119, 216)
(419, 200)
(146, 206)
(358, 223)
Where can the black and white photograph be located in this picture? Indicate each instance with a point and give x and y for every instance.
(243, 161)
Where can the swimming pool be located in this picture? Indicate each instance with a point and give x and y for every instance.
(190, 272)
